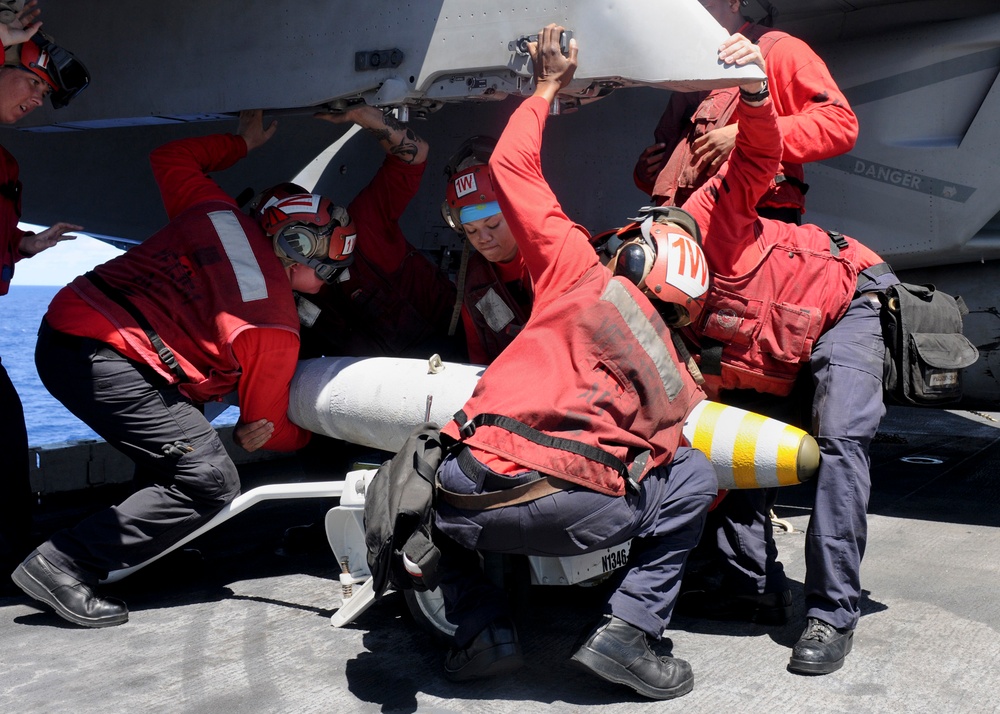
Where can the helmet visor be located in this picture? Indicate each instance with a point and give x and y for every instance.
(61, 68)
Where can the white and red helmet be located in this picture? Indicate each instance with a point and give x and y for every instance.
(470, 194)
(309, 229)
(64, 74)
(661, 254)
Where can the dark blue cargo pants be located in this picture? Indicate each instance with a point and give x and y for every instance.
(664, 521)
(847, 407)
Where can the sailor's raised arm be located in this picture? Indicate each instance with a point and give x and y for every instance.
(395, 137)
(182, 167)
(553, 70)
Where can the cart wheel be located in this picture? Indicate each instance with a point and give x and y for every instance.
(427, 609)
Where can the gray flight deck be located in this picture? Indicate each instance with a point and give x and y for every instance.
(245, 626)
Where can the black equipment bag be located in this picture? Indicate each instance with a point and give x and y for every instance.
(925, 347)
(399, 514)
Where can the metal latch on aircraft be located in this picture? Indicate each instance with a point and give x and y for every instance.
(520, 45)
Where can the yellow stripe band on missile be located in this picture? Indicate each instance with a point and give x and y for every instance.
(788, 455)
(745, 450)
(749, 450)
(704, 418)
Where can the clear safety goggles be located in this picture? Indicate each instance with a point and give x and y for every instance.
(307, 240)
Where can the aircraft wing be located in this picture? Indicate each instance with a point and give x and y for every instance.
(190, 60)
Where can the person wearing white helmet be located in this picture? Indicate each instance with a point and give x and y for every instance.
(34, 69)
(202, 308)
(583, 449)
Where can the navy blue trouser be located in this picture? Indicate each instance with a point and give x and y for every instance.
(847, 407)
(664, 522)
(15, 498)
(180, 460)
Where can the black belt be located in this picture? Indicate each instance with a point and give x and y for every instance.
(499, 490)
(873, 272)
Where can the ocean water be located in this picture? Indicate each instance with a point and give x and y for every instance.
(48, 421)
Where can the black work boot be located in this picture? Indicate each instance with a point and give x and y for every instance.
(72, 599)
(495, 650)
(821, 649)
(618, 652)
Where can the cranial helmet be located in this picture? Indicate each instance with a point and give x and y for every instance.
(269, 196)
(757, 11)
(309, 229)
(661, 254)
(470, 195)
(55, 66)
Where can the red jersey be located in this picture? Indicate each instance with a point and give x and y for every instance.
(594, 363)
(210, 285)
(495, 306)
(815, 118)
(395, 297)
(10, 213)
(776, 287)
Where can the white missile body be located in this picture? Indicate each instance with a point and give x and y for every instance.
(378, 401)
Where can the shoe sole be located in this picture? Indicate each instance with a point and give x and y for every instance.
(800, 666)
(34, 589)
(610, 670)
(496, 661)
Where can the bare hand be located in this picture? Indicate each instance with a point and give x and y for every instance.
(553, 70)
(710, 150)
(251, 436)
(361, 114)
(252, 128)
(23, 28)
(34, 244)
(651, 162)
(740, 51)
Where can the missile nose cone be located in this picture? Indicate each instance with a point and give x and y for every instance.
(807, 459)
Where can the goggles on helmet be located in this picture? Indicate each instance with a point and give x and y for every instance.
(56, 66)
(294, 224)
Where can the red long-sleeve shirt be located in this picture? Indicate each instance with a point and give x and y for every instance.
(10, 234)
(267, 357)
(814, 116)
(594, 363)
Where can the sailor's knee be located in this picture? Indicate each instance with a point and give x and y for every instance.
(700, 477)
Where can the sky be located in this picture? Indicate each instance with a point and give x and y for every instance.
(61, 263)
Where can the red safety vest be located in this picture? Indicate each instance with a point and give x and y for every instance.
(497, 316)
(679, 177)
(769, 318)
(596, 366)
(204, 278)
(10, 214)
